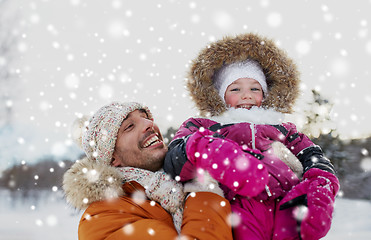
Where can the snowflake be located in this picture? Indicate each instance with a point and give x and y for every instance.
(274, 19)
(128, 229)
(234, 220)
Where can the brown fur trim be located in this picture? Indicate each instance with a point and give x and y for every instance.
(281, 72)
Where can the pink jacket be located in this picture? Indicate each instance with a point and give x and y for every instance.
(261, 210)
(249, 136)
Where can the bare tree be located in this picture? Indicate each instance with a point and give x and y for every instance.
(8, 46)
(318, 120)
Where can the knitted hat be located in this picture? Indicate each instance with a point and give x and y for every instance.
(231, 72)
(99, 137)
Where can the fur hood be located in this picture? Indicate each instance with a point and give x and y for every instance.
(281, 73)
(88, 181)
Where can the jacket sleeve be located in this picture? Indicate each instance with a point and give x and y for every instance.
(309, 154)
(239, 170)
(196, 148)
(176, 156)
(205, 217)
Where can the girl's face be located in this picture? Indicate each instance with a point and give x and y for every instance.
(244, 93)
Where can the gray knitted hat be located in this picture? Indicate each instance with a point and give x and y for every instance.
(98, 136)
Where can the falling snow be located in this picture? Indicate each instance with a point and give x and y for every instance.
(64, 67)
(274, 19)
(303, 47)
(366, 164)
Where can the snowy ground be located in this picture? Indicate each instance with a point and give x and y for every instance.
(52, 219)
(47, 218)
(352, 220)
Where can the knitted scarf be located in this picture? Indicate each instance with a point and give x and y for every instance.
(161, 188)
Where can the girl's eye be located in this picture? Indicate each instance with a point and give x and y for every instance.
(235, 89)
(255, 89)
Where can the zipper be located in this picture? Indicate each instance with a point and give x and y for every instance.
(268, 191)
(252, 127)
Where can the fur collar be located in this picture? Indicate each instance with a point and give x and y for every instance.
(255, 115)
(89, 181)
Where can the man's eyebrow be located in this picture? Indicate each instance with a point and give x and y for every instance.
(126, 117)
(122, 123)
(143, 111)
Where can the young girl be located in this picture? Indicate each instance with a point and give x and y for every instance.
(245, 85)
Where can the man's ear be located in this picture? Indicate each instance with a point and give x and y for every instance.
(116, 162)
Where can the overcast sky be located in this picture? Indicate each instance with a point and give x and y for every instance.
(74, 56)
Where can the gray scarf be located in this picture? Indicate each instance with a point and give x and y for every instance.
(161, 188)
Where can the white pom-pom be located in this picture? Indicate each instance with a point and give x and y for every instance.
(77, 129)
(281, 151)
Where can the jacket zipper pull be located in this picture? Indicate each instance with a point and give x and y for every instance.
(268, 191)
(252, 127)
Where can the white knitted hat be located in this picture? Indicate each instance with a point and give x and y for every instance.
(231, 72)
(98, 138)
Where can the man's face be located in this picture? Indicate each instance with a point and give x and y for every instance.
(139, 143)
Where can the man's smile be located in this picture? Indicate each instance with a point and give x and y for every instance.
(151, 141)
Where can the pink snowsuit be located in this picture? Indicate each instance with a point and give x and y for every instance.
(259, 214)
(264, 196)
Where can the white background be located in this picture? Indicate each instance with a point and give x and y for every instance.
(74, 56)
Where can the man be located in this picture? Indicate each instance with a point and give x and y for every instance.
(124, 191)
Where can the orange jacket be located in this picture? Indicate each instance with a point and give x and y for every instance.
(205, 217)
